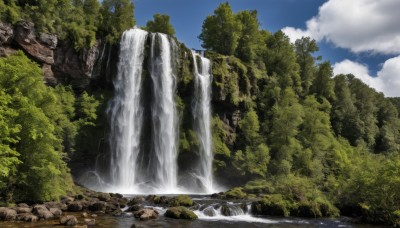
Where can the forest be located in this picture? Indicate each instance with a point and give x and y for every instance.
(285, 130)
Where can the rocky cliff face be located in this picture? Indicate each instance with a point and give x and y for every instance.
(60, 62)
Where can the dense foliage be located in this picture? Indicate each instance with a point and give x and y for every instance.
(160, 23)
(39, 127)
(333, 141)
(81, 21)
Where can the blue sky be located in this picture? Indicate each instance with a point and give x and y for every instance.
(350, 49)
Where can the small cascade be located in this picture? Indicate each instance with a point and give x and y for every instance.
(202, 120)
(163, 164)
(126, 112)
(230, 211)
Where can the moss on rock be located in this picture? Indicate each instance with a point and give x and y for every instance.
(180, 213)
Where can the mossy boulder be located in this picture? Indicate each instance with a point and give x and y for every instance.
(180, 213)
(274, 205)
(235, 193)
(181, 200)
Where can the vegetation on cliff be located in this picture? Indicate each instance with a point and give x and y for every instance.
(305, 141)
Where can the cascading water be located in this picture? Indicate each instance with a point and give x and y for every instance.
(163, 163)
(126, 112)
(201, 114)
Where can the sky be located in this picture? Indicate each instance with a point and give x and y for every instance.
(361, 37)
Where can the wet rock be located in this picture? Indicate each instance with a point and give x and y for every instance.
(209, 211)
(104, 197)
(117, 212)
(68, 220)
(27, 217)
(181, 200)
(75, 206)
(123, 202)
(7, 214)
(146, 214)
(6, 33)
(90, 222)
(93, 215)
(56, 212)
(135, 207)
(21, 210)
(61, 206)
(136, 200)
(244, 207)
(116, 195)
(42, 212)
(98, 206)
(225, 211)
(180, 213)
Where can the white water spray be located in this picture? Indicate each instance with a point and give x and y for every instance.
(164, 116)
(202, 120)
(126, 112)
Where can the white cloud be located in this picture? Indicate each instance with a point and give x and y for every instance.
(386, 81)
(359, 25)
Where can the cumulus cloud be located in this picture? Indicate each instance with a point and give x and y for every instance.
(387, 79)
(358, 25)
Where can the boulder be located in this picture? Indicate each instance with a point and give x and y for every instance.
(180, 213)
(42, 212)
(75, 206)
(21, 210)
(104, 197)
(135, 200)
(90, 222)
(7, 214)
(23, 205)
(146, 214)
(61, 206)
(225, 211)
(135, 207)
(6, 33)
(98, 206)
(27, 217)
(56, 212)
(68, 220)
(181, 200)
(209, 211)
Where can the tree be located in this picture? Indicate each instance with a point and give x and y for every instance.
(42, 174)
(250, 37)
(304, 48)
(280, 60)
(160, 23)
(323, 85)
(288, 114)
(221, 31)
(117, 16)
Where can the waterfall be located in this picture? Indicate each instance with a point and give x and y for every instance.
(126, 112)
(202, 114)
(164, 116)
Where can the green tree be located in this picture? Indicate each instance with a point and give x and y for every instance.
(160, 23)
(323, 85)
(221, 31)
(117, 16)
(288, 114)
(280, 60)
(250, 37)
(42, 173)
(304, 48)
